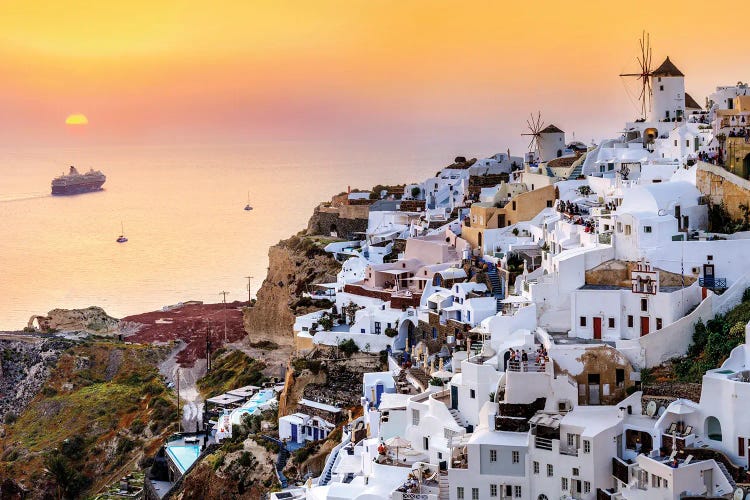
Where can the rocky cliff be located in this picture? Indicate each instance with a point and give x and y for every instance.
(294, 265)
(91, 320)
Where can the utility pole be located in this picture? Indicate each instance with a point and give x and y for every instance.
(249, 291)
(179, 416)
(208, 344)
(225, 315)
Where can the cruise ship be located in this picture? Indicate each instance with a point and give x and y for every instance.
(75, 183)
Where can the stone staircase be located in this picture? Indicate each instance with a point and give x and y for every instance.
(444, 486)
(576, 172)
(726, 473)
(281, 460)
(457, 417)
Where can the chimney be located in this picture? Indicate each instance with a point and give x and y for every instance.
(348, 190)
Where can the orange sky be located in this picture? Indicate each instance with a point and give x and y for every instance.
(449, 72)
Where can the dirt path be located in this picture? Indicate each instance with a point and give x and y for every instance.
(191, 401)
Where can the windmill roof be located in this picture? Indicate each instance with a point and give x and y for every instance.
(691, 103)
(667, 68)
(551, 129)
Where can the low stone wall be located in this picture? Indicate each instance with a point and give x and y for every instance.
(324, 222)
(723, 186)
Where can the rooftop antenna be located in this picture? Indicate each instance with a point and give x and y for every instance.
(535, 126)
(644, 66)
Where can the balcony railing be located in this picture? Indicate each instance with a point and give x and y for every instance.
(720, 283)
(542, 443)
(569, 450)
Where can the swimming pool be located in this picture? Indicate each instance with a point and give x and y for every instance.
(252, 405)
(184, 456)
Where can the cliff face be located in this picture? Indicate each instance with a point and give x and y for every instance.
(293, 266)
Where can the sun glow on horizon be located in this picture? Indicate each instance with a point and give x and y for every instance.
(77, 119)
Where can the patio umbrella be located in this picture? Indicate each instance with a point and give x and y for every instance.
(398, 442)
(679, 407)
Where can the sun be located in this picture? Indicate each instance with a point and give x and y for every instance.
(77, 119)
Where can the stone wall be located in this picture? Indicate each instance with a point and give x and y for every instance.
(424, 331)
(347, 221)
(722, 186)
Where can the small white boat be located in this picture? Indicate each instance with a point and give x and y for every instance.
(121, 238)
(248, 207)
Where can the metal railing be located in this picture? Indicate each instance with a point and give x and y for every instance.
(713, 282)
(526, 366)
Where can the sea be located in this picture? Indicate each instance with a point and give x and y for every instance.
(182, 210)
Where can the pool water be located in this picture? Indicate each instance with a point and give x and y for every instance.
(184, 456)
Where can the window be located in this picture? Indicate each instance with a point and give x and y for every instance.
(658, 323)
(627, 229)
(517, 491)
(741, 446)
(516, 457)
(576, 471)
(644, 305)
(513, 205)
(549, 203)
(475, 494)
(611, 322)
(571, 439)
(550, 470)
(661, 87)
(377, 327)
(415, 417)
(675, 143)
(620, 377)
(583, 321)
(586, 487)
(460, 492)
(426, 443)
(434, 333)
(564, 484)
(586, 446)
(630, 321)
(493, 490)
(646, 229)
(493, 455)
(619, 227)
(536, 467)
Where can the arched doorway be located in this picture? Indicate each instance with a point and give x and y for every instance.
(713, 428)
(405, 332)
(334, 230)
(479, 240)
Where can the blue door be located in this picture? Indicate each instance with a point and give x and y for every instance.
(378, 393)
(315, 433)
(294, 433)
(454, 397)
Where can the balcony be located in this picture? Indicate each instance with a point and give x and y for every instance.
(714, 283)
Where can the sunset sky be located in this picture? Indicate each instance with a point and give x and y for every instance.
(444, 72)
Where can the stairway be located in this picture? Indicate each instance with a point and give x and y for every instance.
(444, 486)
(550, 173)
(457, 417)
(726, 473)
(576, 172)
(497, 287)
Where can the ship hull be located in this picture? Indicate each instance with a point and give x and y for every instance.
(79, 188)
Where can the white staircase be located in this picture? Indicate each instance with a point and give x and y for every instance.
(444, 486)
(457, 417)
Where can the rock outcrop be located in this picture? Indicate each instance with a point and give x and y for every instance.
(293, 266)
(92, 320)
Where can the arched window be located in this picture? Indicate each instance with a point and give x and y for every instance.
(713, 428)
(542, 497)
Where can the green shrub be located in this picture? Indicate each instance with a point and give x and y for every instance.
(348, 347)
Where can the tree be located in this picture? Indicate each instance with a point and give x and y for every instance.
(416, 191)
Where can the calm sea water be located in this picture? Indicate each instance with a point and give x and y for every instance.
(182, 210)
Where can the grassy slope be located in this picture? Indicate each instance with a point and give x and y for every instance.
(230, 370)
(102, 405)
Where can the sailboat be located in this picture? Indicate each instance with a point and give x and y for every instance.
(122, 238)
(248, 207)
